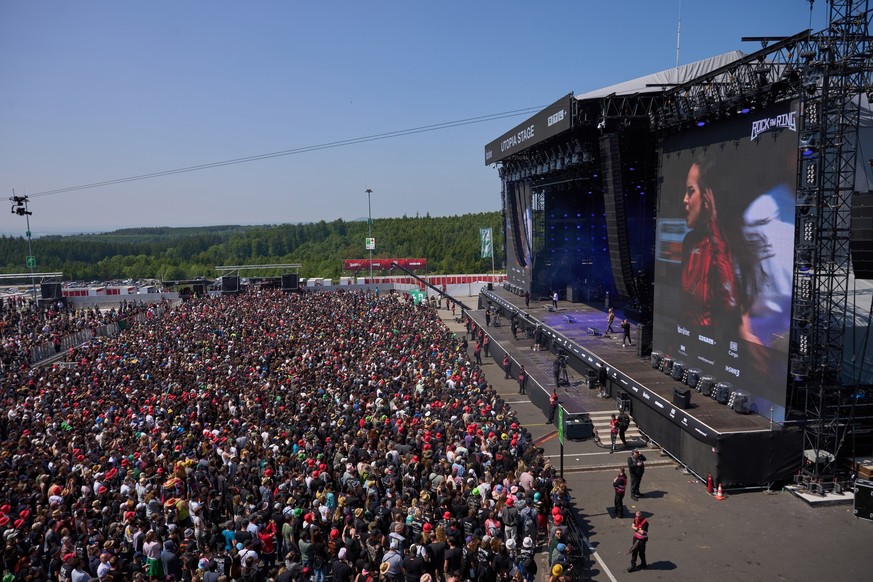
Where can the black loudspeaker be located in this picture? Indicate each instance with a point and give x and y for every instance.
(722, 392)
(616, 220)
(290, 282)
(706, 385)
(681, 397)
(644, 340)
(230, 284)
(592, 379)
(51, 291)
(578, 428)
(692, 377)
(678, 370)
(863, 499)
(624, 402)
(490, 286)
(861, 243)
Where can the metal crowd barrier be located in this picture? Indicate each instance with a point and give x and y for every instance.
(46, 350)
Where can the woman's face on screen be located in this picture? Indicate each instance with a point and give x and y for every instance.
(693, 199)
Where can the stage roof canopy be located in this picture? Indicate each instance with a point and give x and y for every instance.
(663, 80)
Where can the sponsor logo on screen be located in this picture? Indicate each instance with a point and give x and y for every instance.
(781, 121)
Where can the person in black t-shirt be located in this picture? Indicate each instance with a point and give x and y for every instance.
(453, 557)
(413, 565)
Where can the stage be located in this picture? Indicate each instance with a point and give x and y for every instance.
(708, 437)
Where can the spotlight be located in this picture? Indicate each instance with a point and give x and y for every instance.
(807, 143)
(701, 123)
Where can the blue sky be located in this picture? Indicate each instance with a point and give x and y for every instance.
(94, 91)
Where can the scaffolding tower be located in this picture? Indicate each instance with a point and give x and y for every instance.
(835, 73)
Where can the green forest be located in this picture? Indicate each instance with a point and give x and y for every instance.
(450, 245)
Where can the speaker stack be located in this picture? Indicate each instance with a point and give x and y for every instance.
(861, 243)
(230, 284)
(51, 291)
(290, 282)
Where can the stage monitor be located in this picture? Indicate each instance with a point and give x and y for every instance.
(725, 251)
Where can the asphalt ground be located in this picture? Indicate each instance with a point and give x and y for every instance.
(750, 536)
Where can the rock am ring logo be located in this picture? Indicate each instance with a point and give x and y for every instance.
(783, 120)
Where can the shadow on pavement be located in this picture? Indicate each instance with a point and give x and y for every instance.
(653, 494)
(662, 565)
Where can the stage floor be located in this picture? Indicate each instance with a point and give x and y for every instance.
(571, 322)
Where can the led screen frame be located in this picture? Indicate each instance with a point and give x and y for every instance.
(723, 281)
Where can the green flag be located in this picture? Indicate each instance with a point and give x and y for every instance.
(485, 236)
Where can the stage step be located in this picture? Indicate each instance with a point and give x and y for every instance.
(602, 430)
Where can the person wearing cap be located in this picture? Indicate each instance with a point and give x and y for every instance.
(341, 570)
(391, 567)
(510, 520)
(556, 573)
(527, 564)
(559, 556)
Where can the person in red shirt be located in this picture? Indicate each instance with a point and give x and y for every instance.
(267, 535)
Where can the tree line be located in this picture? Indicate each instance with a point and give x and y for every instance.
(450, 244)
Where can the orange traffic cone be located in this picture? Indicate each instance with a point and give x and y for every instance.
(709, 484)
(720, 494)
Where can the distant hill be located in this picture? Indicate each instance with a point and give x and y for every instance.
(450, 244)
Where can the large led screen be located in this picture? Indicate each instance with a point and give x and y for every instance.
(725, 251)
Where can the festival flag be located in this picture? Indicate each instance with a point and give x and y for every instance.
(485, 236)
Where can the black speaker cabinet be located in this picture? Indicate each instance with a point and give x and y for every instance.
(290, 282)
(230, 284)
(863, 499)
(861, 243)
(624, 402)
(681, 397)
(50, 290)
(577, 428)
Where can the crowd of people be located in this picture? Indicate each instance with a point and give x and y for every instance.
(24, 326)
(271, 436)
